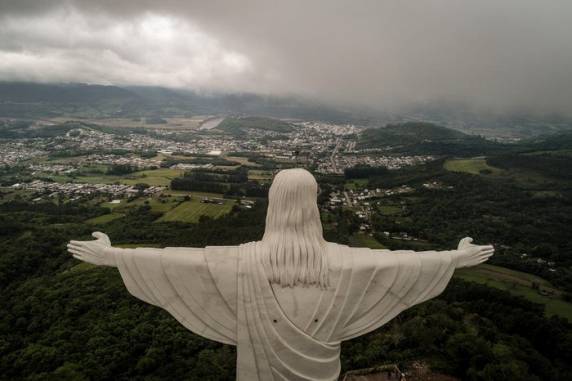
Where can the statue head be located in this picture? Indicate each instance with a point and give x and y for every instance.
(293, 242)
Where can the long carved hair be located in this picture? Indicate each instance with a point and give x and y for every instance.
(293, 246)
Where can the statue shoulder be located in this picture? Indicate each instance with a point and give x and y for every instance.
(222, 257)
(359, 257)
(222, 251)
(198, 257)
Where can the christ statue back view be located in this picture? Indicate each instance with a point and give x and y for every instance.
(289, 300)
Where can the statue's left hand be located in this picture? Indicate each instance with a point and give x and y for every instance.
(95, 252)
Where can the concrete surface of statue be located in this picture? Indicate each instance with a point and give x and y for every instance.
(289, 300)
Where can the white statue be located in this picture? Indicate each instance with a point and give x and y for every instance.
(289, 300)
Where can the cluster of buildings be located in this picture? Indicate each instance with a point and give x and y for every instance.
(187, 167)
(58, 169)
(73, 190)
(338, 163)
(364, 205)
(12, 153)
(322, 128)
(329, 147)
(316, 141)
(86, 139)
(436, 185)
(361, 198)
(543, 262)
(130, 160)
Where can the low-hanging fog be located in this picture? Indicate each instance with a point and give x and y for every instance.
(497, 55)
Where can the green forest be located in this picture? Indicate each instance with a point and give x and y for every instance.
(65, 320)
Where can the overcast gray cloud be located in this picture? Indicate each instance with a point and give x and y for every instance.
(505, 55)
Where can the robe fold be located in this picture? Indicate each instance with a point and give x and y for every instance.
(180, 281)
(283, 333)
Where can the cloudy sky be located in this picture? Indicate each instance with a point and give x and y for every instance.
(494, 54)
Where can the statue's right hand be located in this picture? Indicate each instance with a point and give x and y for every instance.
(469, 254)
(95, 252)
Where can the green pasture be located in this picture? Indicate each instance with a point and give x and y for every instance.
(159, 177)
(562, 152)
(528, 179)
(242, 161)
(191, 211)
(172, 207)
(157, 204)
(389, 210)
(152, 177)
(260, 175)
(160, 205)
(472, 166)
(356, 184)
(521, 284)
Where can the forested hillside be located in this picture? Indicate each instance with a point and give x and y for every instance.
(62, 319)
(425, 138)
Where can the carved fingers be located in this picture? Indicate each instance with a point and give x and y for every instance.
(87, 251)
(484, 253)
(79, 248)
(76, 251)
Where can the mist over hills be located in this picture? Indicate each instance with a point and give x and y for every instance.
(24, 100)
(426, 138)
(28, 100)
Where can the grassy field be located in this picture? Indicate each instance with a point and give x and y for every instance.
(532, 180)
(528, 179)
(356, 184)
(364, 240)
(161, 205)
(519, 283)
(260, 175)
(562, 152)
(191, 211)
(472, 166)
(195, 194)
(173, 207)
(389, 210)
(160, 177)
(242, 161)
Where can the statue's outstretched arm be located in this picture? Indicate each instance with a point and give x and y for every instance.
(392, 281)
(466, 255)
(98, 252)
(176, 281)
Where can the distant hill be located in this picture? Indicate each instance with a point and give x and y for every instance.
(28, 130)
(561, 141)
(425, 138)
(36, 101)
(32, 100)
(66, 93)
(547, 155)
(409, 133)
